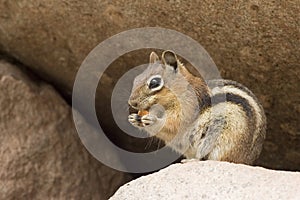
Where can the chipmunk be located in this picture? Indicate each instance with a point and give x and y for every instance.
(224, 122)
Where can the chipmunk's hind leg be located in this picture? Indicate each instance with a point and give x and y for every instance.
(189, 160)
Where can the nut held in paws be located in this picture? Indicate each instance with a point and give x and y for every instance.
(142, 112)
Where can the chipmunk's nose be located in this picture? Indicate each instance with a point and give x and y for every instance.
(133, 104)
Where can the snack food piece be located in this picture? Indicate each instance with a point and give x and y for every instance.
(142, 112)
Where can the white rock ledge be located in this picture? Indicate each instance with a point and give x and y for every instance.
(213, 180)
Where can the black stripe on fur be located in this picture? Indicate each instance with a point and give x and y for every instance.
(236, 99)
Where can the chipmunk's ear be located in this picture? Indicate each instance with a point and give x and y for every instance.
(170, 58)
(153, 57)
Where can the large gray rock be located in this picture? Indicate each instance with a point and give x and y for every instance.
(253, 42)
(40, 152)
(213, 180)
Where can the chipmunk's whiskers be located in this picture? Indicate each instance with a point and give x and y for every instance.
(149, 143)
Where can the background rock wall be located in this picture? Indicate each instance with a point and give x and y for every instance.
(40, 152)
(253, 42)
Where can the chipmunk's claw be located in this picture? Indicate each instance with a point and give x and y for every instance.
(148, 120)
(135, 120)
(138, 121)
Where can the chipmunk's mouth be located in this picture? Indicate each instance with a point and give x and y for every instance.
(133, 110)
(140, 111)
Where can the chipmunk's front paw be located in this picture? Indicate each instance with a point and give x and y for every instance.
(134, 119)
(148, 120)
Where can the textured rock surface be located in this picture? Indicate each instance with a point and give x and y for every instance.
(213, 180)
(41, 155)
(253, 42)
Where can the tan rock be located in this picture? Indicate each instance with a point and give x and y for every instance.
(213, 180)
(40, 152)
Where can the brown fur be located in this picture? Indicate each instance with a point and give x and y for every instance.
(172, 124)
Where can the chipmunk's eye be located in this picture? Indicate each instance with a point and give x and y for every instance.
(155, 83)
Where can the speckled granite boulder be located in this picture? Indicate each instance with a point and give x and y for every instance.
(213, 180)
